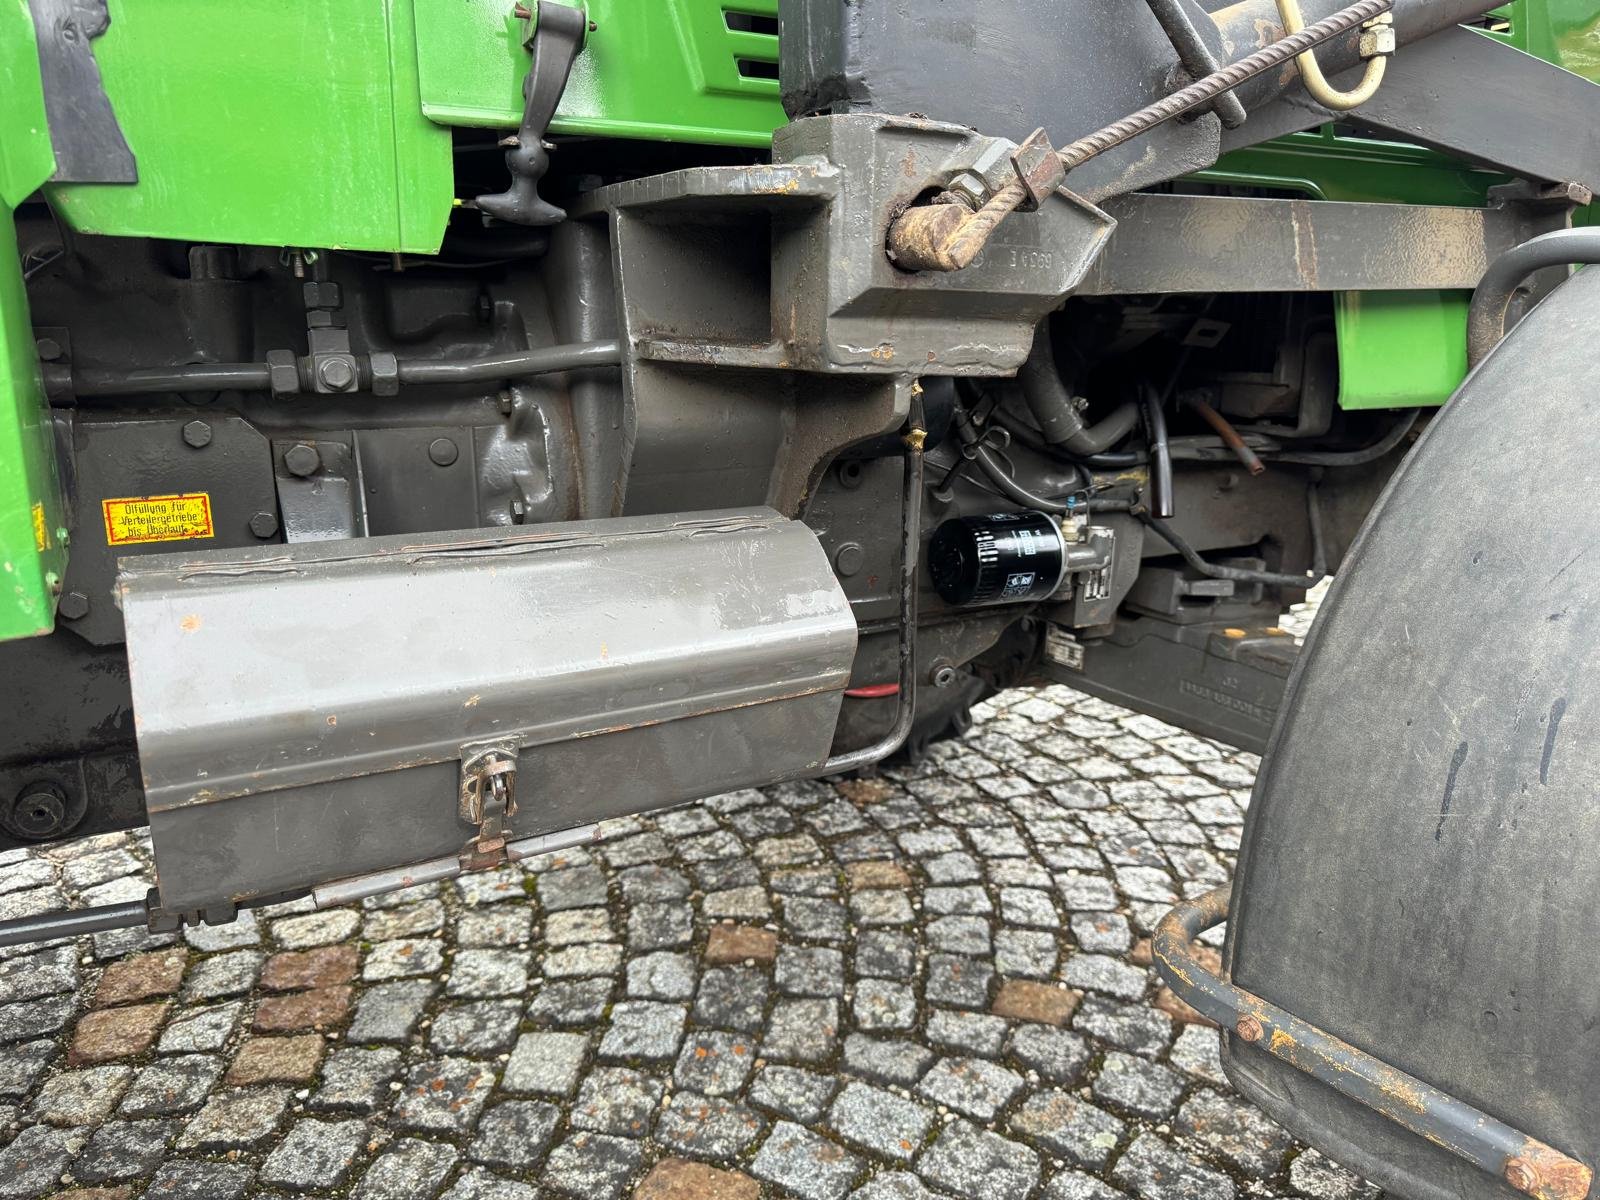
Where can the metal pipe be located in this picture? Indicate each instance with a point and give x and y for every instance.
(1319, 553)
(1195, 55)
(910, 543)
(73, 923)
(256, 377)
(1249, 22)
(1527, 1164)
(1486, 318)
(347, 891)
(571, 357)
(1229, 435)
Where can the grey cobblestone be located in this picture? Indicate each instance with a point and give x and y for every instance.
(548, 1031)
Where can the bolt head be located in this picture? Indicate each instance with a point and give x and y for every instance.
(302, 459)
(197, 434)
(49, 349)
(848, 558)
(443, 451)
(264, 524)
(1249, 1029)
(72, 606)
(944, 676)
(336, 373)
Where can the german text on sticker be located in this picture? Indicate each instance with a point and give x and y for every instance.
(157, 518)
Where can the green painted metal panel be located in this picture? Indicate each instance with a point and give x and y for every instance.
(295, 124)
(1400, 349)
(33, 534)
(33, 551)
(667, 70)
(26, 159)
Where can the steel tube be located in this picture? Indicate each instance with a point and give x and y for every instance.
(73, 923)
(347, 891)
(1195, 55)
(1248, 25)
(1486, 318)
(1529, 1165)
(569, 357)
(910, 543)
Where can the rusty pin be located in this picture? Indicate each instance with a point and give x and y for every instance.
(1249, 1029)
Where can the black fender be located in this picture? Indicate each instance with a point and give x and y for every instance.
(1420, 873)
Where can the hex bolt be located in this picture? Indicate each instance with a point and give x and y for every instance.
(1249, 1029)
(72, 606)
(847, 559)
(943, 675)
(264, 524)
(197, 434)
(336, 373)
(49, 349)
(302, 459)
(443, 451)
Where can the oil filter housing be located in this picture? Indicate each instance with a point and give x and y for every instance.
(1004, 558)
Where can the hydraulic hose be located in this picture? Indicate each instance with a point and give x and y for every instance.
(1161, 502)
(1353, 458)
(1055, 411)
(997, 474)
(1486, 318)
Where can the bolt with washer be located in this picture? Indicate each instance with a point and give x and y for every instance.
(943, 675)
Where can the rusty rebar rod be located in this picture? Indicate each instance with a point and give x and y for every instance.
(947, 237)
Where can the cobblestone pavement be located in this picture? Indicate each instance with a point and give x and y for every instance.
(931, 984)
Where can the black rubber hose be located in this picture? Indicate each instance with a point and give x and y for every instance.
(1161, 503)
(1056, 413)
(1486, 318)
(1002, 479)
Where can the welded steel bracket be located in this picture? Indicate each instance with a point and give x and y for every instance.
(1527, 1164)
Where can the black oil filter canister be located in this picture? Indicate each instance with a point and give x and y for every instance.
(1000, 559)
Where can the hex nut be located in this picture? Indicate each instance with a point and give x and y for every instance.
(197, 434)
(385, 370)
(283, 373)
(302, 459)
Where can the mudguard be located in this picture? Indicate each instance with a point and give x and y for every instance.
(1420, 872)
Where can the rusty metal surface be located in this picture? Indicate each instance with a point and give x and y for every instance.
(637, 661)
(1527, 1164)
(1227, 244)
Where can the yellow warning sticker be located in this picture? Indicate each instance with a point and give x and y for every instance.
(157, 518)
(41, 531)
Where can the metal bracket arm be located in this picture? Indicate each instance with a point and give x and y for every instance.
(1527, 1164)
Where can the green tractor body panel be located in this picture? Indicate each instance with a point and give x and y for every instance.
(324, 125)
(668, 70)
